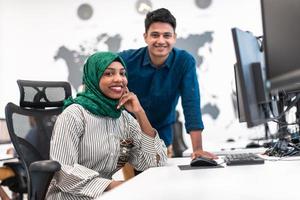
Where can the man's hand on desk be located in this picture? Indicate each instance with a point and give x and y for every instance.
(202, 153)
(196, 137)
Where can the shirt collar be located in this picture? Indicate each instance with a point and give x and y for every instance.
(147, 60)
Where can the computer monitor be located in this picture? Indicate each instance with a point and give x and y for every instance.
(281, 43)
(253, 103)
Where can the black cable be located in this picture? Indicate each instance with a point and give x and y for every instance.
(293, 103)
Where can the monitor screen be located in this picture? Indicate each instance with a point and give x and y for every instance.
(281, 43)
(253, 105)
(238, 91)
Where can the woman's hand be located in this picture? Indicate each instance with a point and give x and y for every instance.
(130, 101)
(113, 184)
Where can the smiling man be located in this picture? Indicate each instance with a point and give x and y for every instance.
(159, 74)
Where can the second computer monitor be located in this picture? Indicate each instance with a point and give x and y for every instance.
(282, 43)
(252, 99)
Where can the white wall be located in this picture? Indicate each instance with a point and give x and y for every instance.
(32, 31)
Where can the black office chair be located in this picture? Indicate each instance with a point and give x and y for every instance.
(30, 127)
(179, 145)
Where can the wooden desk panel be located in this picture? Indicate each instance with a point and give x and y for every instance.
(6, 172)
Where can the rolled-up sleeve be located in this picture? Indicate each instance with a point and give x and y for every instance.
(148, 151)
(190, 94)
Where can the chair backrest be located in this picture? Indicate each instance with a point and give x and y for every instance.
(30, 124)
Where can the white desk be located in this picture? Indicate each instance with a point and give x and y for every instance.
(261, 150)
(4, 157)
(274, 180)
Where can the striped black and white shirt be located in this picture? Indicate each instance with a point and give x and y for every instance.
(90, 150)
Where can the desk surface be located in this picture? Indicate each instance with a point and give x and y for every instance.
(274, 180)
(4, 157)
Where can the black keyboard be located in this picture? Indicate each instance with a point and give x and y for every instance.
(243, 159)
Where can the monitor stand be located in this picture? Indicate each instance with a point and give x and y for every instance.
(288, 143)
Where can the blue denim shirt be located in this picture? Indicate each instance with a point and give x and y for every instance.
(158, 89)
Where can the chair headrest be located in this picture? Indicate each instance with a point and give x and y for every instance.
(42, 94)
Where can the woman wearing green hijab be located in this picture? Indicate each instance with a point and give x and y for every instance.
(95, 136)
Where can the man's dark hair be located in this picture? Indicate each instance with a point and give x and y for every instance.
(160, 15)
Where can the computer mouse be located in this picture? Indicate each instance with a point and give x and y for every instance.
(253, 145)
(202, 161)
(230, 140)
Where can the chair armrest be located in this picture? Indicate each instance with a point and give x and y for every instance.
(41, 174)
(44, 166)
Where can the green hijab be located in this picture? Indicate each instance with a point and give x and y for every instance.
(92, 98)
